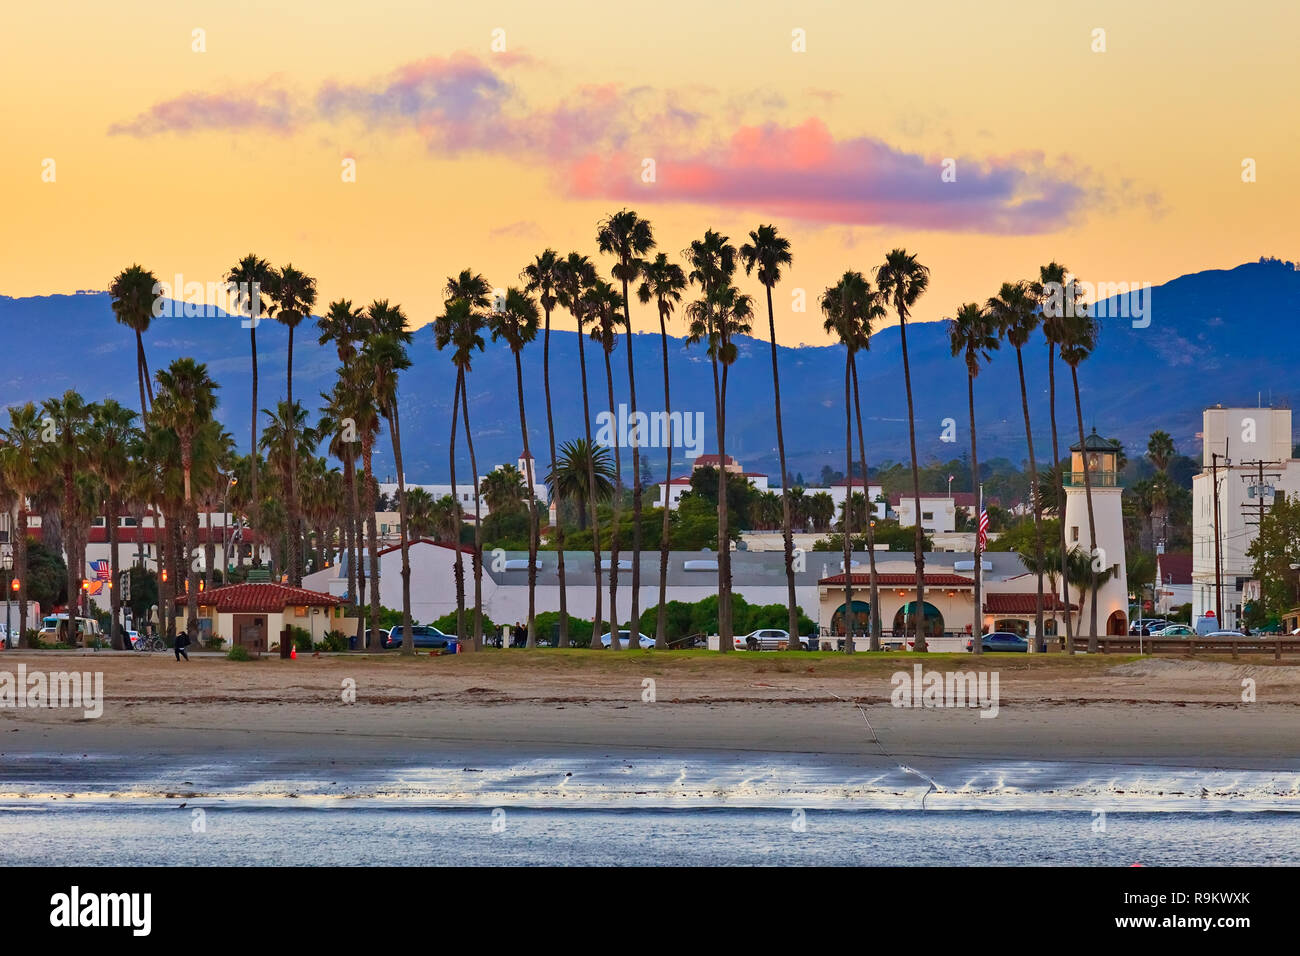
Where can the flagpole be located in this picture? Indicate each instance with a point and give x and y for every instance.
(978, 634)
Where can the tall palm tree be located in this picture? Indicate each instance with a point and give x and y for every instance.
(713, 262)
(516, 322)
(601, 302)
(1055, 275)
(421, 514)
(504, 489)
(902, 279)
(294, 294)
(461, 327)
(973, 335)
(257, 277)
(133, 296)
(384, 355)
(570, 480)
(628, 237)
(343, 325)
(575, 275)
(114, 442)
(769, 252)
(1161, 450)
(663, 281)
(1078, 342)
(1014, 311)
(186, 400)
(68, 455)
(542, 277)
(20, 446)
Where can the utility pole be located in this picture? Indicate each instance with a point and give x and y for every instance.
(1218, 557)
(1258, 489)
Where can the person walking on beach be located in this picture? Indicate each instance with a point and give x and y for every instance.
(182, 642)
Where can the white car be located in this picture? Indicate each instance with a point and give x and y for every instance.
(767, 639)
(624, 636)
(1225, 634)
(1176, 630)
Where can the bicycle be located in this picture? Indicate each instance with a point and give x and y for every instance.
(150, 644)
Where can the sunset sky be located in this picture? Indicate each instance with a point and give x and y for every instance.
(1124, 164)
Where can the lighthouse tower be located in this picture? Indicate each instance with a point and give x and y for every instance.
(1101, 458)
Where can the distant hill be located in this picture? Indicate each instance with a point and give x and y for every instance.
(1220, 336)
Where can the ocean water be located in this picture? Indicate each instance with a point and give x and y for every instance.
(242, 835)
(682, 810)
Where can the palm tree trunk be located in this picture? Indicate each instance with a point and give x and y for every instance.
(1037, 503)
(846, 525)
(395, 435)
(977, 624)
(73, 565)
(458, 572)
(921, 644)
(661, 618)
(295, 537)
(635, 612)
(532, 508)
(787, 532)
(191, 577)
(209, 549)
(871, 531)
(591, 491)
(1092, 524)
(254, 503)
(725, 636)
(478, 520)
(558, 531)
(614, 644)
(141, 373)
(1060, 493)
(367, 453)
(20, 565)
(115, 595)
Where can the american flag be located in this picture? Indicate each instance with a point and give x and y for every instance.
(984, 529)
(102, 569)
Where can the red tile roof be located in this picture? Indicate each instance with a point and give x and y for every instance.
(261, 598)
(1021, 602)
(903, 580)
(711, 461)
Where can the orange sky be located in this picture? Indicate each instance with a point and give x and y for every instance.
(1124, 164)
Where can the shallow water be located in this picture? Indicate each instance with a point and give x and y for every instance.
(233, 834)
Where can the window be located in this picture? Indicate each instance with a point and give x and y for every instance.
(98, 522)
(126, 522)
(927, 515)
(300, 611)
(1074, 532)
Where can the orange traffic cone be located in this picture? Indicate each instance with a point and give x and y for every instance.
(293, 653)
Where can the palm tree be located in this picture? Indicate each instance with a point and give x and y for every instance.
(133, 294)
(1078, 340)
(542, 276)
(663, 281)
(503, 489)
(973, 335)
(461, 327)
(628, 237)
(821, 507)
(769, 252)
(517, 322)
(69, 416)
(294, 294)
(186, 400)
(1160, 449)
(1014, 311)
(254, 275)
(902, 280)
(601, 302)
(570, 480)
(574, 276)
(713, 262)
(114, 442)
(1055, 275)
(20, 466)
(421, 514)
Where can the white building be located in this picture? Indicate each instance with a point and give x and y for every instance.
(1247, 442)
(938, 510)
(465, 487)
(676, 487)
(1101, 457)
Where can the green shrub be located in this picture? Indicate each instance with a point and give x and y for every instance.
(334, 641)
(238, 653)
(447, 623)
(301, 639)
(548, 629)
(214, 642)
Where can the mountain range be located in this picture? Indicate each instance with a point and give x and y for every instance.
(1218, 336)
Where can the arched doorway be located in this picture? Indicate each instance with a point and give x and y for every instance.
(1117, 624)
(933, 626)
(861, 619)
(1010, 625)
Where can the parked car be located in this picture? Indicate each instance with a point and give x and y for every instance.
(1001, 641)
(1148, 627)
(1225, 634)
(767, 639)
(422, 635)
(1176, 630)
(624, 637)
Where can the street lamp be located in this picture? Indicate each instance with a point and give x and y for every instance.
(9, 604)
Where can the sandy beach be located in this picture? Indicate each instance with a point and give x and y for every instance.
(514, 705)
